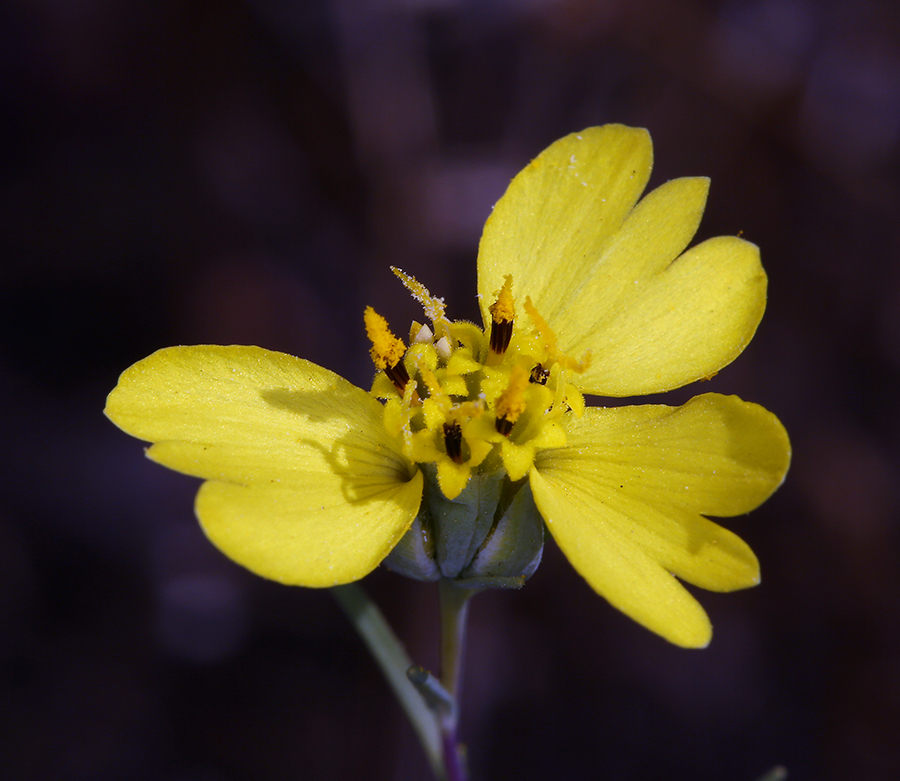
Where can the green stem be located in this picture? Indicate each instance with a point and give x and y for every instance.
(394, 662)
(454, 611)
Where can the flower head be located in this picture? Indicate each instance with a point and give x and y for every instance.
(584, 289)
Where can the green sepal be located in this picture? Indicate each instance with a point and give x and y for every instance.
(413, 556)
(490, 536)
(513, 549)
(461, 525)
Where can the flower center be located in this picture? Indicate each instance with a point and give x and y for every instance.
(470, 401)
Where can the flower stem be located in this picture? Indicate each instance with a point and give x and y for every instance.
(394, 662)
(454, 611)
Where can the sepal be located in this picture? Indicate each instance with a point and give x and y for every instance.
(490, 536)
(413, 557)
(461, 525)
(513, 549)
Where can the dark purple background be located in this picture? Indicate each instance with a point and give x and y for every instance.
(244, 172)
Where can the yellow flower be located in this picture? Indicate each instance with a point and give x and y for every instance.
(583, 289)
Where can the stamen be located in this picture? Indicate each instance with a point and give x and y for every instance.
(504, 426)
(539, 375)
(511, 403)
(387, 350)
(397, 375)
(453, 441)
(503, 313)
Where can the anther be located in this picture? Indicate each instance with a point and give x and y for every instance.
(503, 426)
(511, 403)
(503, 313)
(501, 333)
(453, 441)
(539, 375)
(398, 375)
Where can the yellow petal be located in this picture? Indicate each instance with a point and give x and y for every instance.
(636, 481)
(517, 459)
(302, 461)
(681, 325)
(557, 215)
(600, 271)
(452, 477)
(653, 234)
(617, 569)
(310, 532)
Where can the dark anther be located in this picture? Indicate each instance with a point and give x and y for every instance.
(501, 333)
(397, 375)
(539, 375)
(503, 426)
(453, 441)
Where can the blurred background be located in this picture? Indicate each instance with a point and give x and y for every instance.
(245, 171)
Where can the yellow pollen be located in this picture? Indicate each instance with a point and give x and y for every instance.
(434, 307)
(504, 308)
(511, 403)
(465, 411)
(550, 346)
(431, 382)
(547, 335)
(387, 350)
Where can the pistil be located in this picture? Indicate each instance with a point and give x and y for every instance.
(387, 350)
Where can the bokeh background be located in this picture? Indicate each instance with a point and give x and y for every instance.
(244, 171)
